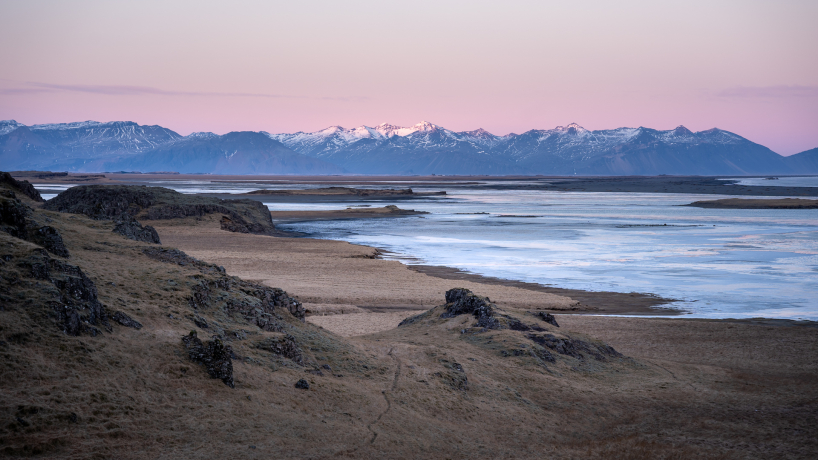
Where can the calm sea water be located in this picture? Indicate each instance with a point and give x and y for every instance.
(718, 263)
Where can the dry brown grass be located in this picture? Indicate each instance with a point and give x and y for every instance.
(689, 389)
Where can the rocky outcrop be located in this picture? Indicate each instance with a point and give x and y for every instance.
(302, 384)
(126, 320)
(18, 220)
(63, 290)
(284, 346)
(13, 214)
(49, 238)
(574, 347)
(109, 202)
(130, 228)
(239, 226)
(103, 202)
(72, 295)
(23, 186)
(256, 303)
(175, 256)
(462, 301)
(547, 317)
(213, 354)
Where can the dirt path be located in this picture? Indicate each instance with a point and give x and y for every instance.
(386, 396)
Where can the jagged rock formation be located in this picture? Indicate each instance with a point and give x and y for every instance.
(285, 346)
(107, 202)
(460, 301)
(492, 322)
(125, 320)
(213, 354)
(69, 296)
(130, 228)
(547, 317)
(17, 219)
(23, 186)
(256, 303)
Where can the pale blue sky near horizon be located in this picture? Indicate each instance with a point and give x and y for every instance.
(750, 67)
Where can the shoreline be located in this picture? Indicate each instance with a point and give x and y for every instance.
(603, 303)
(596, 302)
(705, 185)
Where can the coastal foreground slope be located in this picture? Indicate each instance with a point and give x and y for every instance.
(501, 380)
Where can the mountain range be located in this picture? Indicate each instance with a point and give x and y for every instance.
(424, 148)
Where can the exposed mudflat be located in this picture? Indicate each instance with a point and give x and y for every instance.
(745, 203)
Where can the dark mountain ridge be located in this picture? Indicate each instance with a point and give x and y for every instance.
(424, 148)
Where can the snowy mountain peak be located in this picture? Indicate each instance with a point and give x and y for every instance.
(682, 131)
(426, 126)
(7, 126)
(201, 135)
(331, 130)
(388, 130)
(479, 133)
(572, 128)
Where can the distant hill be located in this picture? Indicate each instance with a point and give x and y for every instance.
(424, 148)
(803, 163)
(233, 153)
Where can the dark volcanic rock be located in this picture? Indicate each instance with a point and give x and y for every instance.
(213, 354)
(302, 384)
(547, 317)
(108, 202)
(128, 227)
(175, 256)
(461, 301)
(125, 320)
(255, 302)
(13, 214)
(23, 186)
(561, 346)
(102, 202)
(233, 226)
(67, 292)
(17, 220)
(573, 347)
(284, 346)
(49, 238)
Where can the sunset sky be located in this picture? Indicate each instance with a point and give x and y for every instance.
(747, 66)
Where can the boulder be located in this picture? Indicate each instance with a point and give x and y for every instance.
(462, 301)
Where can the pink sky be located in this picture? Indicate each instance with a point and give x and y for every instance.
(746, 66)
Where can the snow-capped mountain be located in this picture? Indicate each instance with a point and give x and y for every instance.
(91, 146)
(7, 126)
(90, 139)
(424, 148)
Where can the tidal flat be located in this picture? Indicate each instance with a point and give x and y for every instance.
(463, 377)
